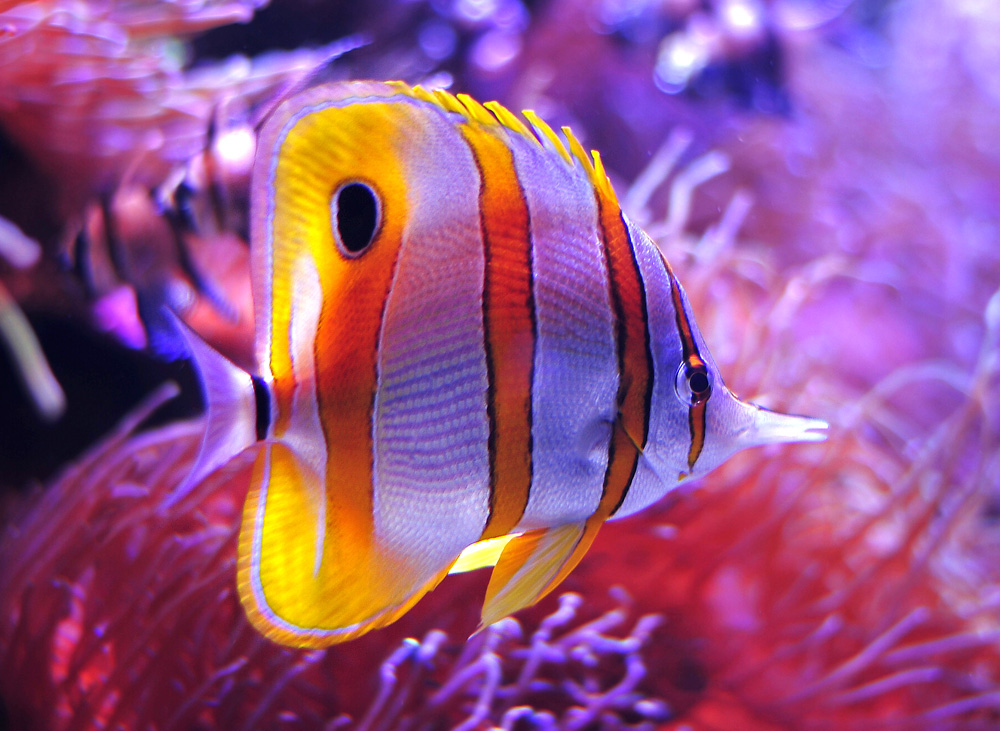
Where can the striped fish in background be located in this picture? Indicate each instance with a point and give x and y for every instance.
(467, 356)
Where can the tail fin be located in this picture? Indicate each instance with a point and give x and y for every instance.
(230, 408)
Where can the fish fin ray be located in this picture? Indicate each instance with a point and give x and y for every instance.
(533, 564)
(230, 407)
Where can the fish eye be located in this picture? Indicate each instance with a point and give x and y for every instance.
(356, 212)
(693, 384)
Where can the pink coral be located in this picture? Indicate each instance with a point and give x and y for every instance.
(103, 100)
(98, 91)
(144, 627)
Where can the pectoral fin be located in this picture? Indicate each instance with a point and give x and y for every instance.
(311, 572)
(533, 564)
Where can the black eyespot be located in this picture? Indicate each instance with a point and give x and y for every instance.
(693, 384)
(355, 212)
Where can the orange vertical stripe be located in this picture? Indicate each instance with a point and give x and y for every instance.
(696, 413)
(508, 325)
(688, 344)
(319, 154)
(635, 360)
(696, 420)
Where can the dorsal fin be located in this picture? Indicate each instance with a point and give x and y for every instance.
(493, 115)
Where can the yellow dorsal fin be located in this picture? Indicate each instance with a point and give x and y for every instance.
(577, 151)
(449, 102)
(509, 120)
(478, 112)
(417, 92)
(600, 178)
(533, 564)
(491, 113)
(546, 133)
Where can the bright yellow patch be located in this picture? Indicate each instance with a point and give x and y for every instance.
(312, 588)
(533, 564)
(311, 572)
(482, 554)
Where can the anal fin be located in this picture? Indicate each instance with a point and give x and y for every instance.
(311, 571)
(533, 564)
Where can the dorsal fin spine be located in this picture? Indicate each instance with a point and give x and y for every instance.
(477, 111)
(546, 133)
(509, 120)
(576, 149)
(601, 180)
(419, 92)
(449, 102)
(492, 114)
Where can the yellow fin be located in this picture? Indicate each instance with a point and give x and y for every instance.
(539, 132)
(509, 120)
(482, 554)
(449, 102)
(312, 577)
(600, 178)
(477, 111)
(545, 132)
(576, 149)
(533, 564)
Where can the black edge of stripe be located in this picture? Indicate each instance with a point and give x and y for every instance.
(619, 313)
(680, 316)
(689, 349)
(648, 396)
(704, 426)
(534, 337)
(620, 331)
(491, 388)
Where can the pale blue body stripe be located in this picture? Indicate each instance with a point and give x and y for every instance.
(431, 442)
(667, 416)
(576, 362)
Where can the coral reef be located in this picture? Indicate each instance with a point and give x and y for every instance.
(173, 649)
(103, 99)
(842, 258)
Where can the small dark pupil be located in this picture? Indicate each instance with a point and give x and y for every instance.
(356, 214)
(698, 383)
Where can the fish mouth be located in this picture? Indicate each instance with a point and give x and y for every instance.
(773, 427)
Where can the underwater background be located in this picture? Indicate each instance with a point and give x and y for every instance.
(823, 175)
